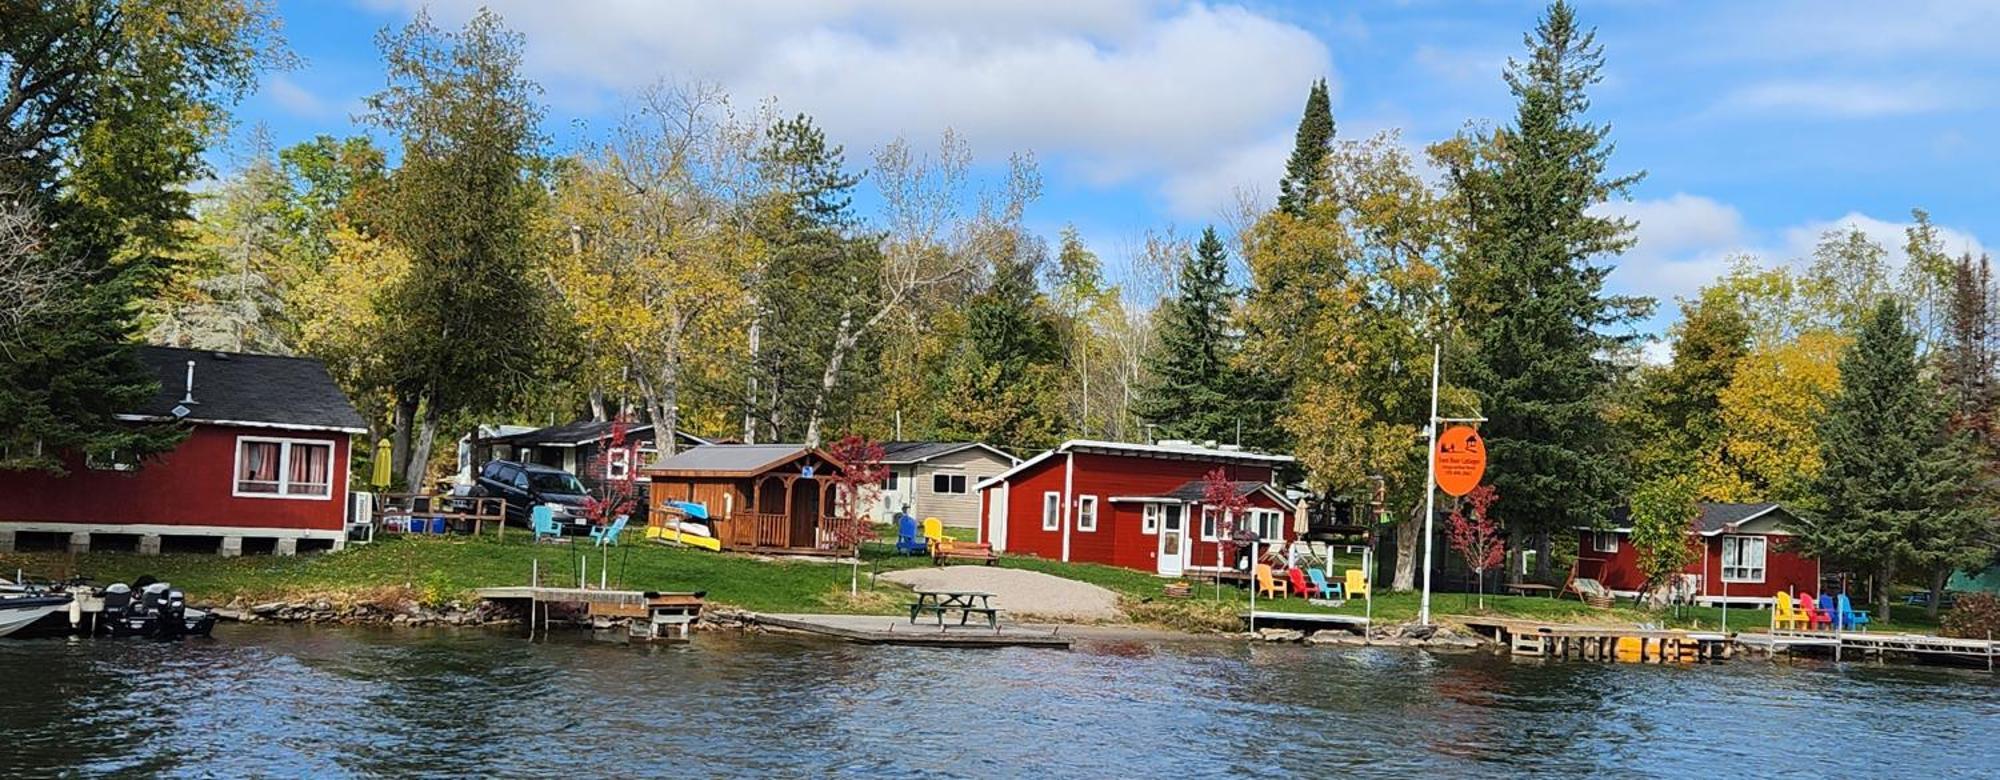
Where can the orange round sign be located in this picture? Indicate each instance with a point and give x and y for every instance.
(1461, 460)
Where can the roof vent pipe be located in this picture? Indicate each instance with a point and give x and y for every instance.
(188, 397)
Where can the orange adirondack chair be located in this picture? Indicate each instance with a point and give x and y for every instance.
(1269, 585)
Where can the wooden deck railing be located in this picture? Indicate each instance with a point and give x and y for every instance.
(758, 529)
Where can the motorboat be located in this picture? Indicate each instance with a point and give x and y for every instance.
(20, 611)
(158, 610)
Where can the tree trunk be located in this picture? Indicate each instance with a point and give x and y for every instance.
(1542, 556)
(399, 443)
(844, 340)
(755, 339)
(1407, 532)
(667, 416)
(1938, 580)
(1887, 575)
(597, 410)
(420, 451)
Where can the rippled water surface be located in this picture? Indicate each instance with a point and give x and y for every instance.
(290, 701)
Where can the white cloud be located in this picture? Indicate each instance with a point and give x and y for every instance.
(1800, 240)
(1203, 191)
(1850, 30)
(1682, 242)
(1838, 99)
(294, 99)
(1117, 90)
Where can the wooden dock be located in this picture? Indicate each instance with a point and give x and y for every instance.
(1600, 643)
(647, 613)
(896, 630)
(1846, 643)
(1305, 620)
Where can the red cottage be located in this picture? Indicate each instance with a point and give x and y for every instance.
(265, 461)
(1746, 555)
(1131, 505)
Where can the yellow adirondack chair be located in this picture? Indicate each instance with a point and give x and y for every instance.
(934, 532)
(1357, 584)
(1269, 585)
(1783, 617)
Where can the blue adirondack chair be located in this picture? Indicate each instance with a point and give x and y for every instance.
(910, 541)
(1849, 616)
(1826, 608)
(604, 535)
(1319, 583)
(543, 520)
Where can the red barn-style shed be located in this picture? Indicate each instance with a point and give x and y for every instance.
(266, 460)
(1132, 505)
(1746, 555)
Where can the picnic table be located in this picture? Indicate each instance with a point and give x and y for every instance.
(1531, 589)
(966, 602)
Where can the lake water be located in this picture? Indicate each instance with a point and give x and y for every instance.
(323, 702)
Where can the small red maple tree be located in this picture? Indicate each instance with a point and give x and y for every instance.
(857, 483)
(615, 473)
(1219, 495)
(1476, 536)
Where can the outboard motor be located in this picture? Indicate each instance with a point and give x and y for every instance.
(117, 604)
(153, 609)
(173, 619)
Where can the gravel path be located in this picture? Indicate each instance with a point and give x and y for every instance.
(1021, 593)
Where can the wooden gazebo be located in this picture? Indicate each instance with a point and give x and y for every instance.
(760, 497)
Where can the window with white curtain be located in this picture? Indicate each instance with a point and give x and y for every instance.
(1743, 558)
(283, 468)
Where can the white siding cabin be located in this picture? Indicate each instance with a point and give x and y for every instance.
(936, 479)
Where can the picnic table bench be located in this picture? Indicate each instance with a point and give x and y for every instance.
(1531, 589)
(966, 603)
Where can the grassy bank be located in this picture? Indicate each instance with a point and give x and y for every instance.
(437, 570)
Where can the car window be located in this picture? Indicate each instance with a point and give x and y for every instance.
(557, 482)
(521, 480)
(492, 470)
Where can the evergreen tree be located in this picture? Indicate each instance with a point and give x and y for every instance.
(473, 316)
(1679, 415)
(107, 106)
(1968, 360)
(1898, 488)
(1006, 388)
(1192, 389)
(1529, 294)
(1305, 172)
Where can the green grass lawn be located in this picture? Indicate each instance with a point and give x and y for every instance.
(442, 569)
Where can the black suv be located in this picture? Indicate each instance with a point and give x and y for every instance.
(529, 485)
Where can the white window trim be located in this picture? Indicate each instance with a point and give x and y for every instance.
(1763, 568)
(1091, 502)
(1051, 520)
(1597, 542)
(284, 468)
(1210, 529)
(617, 464)
(1149, 519)
(1260, 519)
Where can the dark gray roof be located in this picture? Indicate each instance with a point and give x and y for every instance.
(731, 457)
(581, 432)
(243, 388)
(1714, 516)
(1194, 489)
(919, 451)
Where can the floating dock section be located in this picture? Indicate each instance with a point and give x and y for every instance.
(1601, 643)
(894, 630)
(648, 614)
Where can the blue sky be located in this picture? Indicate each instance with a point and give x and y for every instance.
(1759, 125)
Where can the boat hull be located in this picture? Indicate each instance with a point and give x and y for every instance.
(19, 613)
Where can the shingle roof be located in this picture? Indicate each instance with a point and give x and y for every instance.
(1715, 517)
(1194, 489)
(235, 387)
(579, 432)
(731, 458)
(919, 451)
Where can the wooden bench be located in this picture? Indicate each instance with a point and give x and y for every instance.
(963, 551)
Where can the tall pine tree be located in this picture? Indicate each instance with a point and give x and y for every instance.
(1305, 172)
(1191, 394)
(1898, 489)
(1530, 294)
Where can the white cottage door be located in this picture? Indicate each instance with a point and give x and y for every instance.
(1173, 540)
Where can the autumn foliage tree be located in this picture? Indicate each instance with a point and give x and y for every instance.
(858, 482)
(1476, 536)
(614, 474)
(1219, 495)
(1664, 512)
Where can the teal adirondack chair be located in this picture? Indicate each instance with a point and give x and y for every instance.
(604, 535)
(1849, 616)
(1319, 583)
(543, 520)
